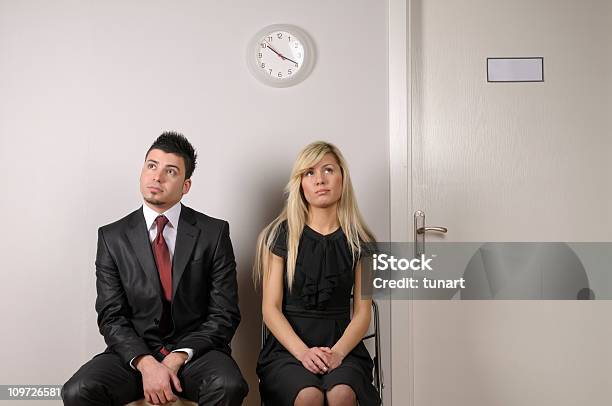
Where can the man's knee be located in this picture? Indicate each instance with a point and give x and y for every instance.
(80, 391)
(232, 388)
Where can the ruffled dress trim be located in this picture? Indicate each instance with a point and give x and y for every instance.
(322, 261)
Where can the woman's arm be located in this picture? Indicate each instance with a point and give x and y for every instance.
(360, 322)
(313, 359)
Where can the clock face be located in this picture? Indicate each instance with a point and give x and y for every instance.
(281, 55)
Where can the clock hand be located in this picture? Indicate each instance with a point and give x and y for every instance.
(289, 59)
(274, 50)
(283, 57)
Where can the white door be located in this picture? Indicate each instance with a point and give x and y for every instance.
(505, 162)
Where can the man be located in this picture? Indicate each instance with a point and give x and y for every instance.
(167, 297)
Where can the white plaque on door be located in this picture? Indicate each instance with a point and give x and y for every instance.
(515, 69)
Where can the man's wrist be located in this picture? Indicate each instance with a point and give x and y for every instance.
(181, 355)
(143, 361)
(186, 350)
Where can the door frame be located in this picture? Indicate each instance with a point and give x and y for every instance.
(400, 183)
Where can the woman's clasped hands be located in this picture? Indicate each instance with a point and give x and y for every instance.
(320, 360)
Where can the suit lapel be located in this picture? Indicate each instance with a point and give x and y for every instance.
(186, 237)
(139, 238)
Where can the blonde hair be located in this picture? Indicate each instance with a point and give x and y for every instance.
(295, 212)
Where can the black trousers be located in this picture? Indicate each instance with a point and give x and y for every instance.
(211, 379)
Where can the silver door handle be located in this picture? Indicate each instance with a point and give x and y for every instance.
(422, 230)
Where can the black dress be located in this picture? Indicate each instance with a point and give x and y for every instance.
(318, 309)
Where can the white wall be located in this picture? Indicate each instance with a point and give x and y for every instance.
(86, 87)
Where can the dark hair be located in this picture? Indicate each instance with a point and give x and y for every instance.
(176, 143)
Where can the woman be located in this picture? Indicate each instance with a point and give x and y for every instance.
(308, 262)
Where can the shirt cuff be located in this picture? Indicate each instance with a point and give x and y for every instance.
(188, 351)
(132, 362)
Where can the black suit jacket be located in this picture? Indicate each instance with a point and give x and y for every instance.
(205, 310)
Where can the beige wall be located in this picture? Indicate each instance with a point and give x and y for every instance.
(87, 86)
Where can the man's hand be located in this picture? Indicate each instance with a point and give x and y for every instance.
(175, 360)
(157, 380)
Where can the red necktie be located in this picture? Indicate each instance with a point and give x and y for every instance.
(162, 258)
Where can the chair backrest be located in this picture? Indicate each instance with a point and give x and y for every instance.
(375, 336)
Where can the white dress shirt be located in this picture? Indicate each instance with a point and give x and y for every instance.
(172, 214)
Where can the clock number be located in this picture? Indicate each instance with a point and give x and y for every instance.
(263, 65)
(280, 74)
(260, 55)
(289, 72)
(295, 44)
(270, 38)
(270, 71)
(279, 35)
(263, 45)
(289, 37)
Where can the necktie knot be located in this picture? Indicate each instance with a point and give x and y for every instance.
(161, 222)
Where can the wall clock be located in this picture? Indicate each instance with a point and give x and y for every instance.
(281, 55)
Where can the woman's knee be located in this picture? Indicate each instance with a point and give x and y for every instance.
(341, 395)
(309, 396)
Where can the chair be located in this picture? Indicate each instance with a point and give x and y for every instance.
(179, 402)
(375, 335)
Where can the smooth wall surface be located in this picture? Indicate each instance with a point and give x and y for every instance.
(86, 86)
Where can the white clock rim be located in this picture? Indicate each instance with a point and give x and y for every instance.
(302, 73)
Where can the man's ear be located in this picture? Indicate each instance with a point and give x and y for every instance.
(186, 186)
